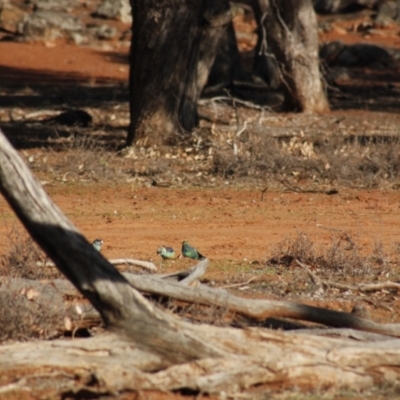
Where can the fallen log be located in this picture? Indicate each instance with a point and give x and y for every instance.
(148, 348)
(109, 364)
(255, 309)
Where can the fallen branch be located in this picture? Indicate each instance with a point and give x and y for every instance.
(118, 261)
(189, 276)
(131, 261)
(255, 309)
(361, 287)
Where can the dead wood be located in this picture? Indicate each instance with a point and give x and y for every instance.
(361, 287)
(121, 307)
(117, 261)
(341, 333)
(256, 356)
(152, 349)
(255, 309)
(131, 261)
(189, 276)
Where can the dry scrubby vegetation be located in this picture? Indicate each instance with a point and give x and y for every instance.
(23, 258)
(341, 258)
(300, 154)
(358, 162)
(25, 314)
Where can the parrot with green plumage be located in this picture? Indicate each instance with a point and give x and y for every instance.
(166, 253)
(97, 243)
(190, 252)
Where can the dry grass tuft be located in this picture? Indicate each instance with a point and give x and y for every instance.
(23, 258)
(341, 257)
(81, 157)
(25, 315)
(84, 157)
(308, 161)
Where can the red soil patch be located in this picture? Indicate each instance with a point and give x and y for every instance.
(225, 224)
(36, 63)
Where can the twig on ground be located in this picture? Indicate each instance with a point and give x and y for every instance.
(314, 278)
(247, 104)
(238, 284)
(263, 192)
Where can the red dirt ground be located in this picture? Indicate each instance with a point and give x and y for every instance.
(225, 224)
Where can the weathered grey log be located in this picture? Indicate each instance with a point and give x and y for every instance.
(122, 308)
(138, 263)
(255, 309)
(258, 356)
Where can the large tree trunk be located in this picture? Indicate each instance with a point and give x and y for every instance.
(290, 27)
(173, 48)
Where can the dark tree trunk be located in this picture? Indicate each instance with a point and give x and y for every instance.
(291, 33)
(265, 63)
(218, 26)
(173, 48)
(228, 65)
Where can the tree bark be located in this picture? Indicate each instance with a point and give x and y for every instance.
(291, 33)
(173, 47)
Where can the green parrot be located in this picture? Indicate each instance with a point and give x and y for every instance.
(97, 243)
(166, 253)
(191, 252)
